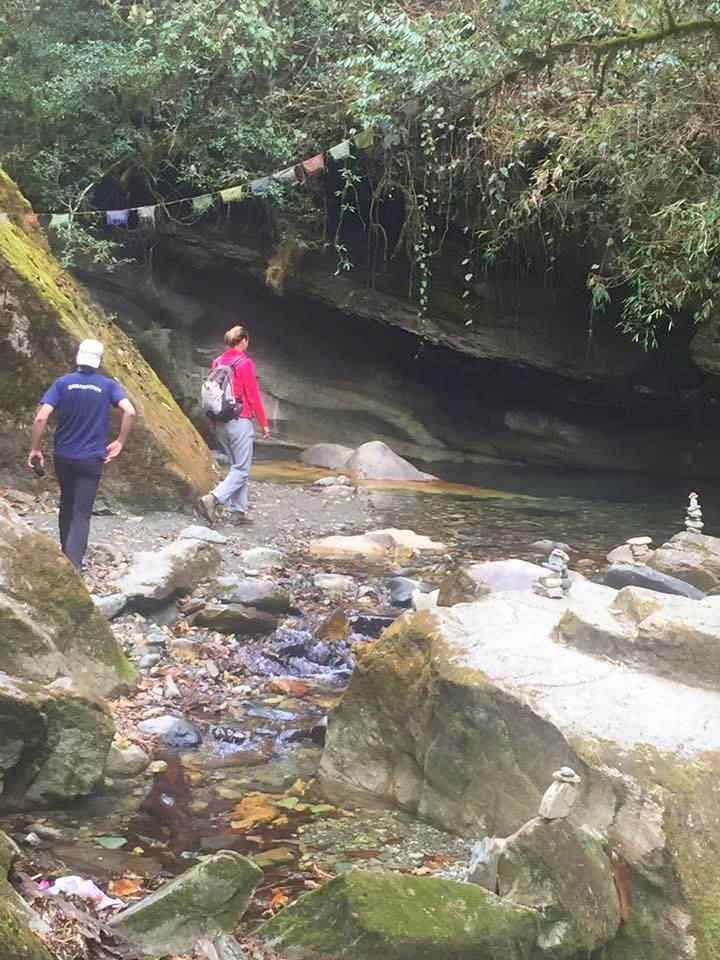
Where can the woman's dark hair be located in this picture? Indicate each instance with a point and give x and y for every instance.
(236, 335)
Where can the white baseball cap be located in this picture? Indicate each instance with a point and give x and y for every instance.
(90, 353)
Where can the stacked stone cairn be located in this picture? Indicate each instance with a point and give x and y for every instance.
(693, 518)
(640, 550)
(558, 799)
(556, 582)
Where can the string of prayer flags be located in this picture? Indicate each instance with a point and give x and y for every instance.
(146, 215)
(341, 151)
(365, 139)
(202, 203)
(260, 186)
(117, 218)
(232, 194)
(314, 164)
(287, 176)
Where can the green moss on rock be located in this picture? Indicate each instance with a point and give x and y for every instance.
(205, 900)
(59, 741)
(564, 873)
(49, 625)
(636, 940)
(44, 313)
(17, 941)
(365, 916)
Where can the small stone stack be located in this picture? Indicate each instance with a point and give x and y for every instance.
(558, 799)
(693, 518)
(554, 584)
(640, 550)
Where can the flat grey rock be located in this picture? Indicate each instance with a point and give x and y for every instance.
(334, 582)
(111, 606)
(157, 576)
(629, 575)
(235, 618)
(174, 731)
(197, 532)
(263, 558)
(262, 594)
(125, 761)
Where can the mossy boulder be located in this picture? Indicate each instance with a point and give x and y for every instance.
(460, 715)
(564, 873)
(44, 313)
(54, 744)
(365, 916)
(49, 626)
(205, 900)
(18, 922)
(17, 939)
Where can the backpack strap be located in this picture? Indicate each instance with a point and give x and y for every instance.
(233, 366)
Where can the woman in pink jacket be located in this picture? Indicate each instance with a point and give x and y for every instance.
(236, 435)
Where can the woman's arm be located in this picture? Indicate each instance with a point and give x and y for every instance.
(252, 391)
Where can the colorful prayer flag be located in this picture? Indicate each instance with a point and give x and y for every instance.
(314, 164)
(232, 194)
(147, 214)
(341, 151)
(117, 218)
(365, 138)
(287, 176)
(260, 186)
(58, 220)
(202, 203)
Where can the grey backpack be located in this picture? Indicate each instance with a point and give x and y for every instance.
(217, 396)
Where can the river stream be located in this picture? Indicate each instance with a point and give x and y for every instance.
(250, 786)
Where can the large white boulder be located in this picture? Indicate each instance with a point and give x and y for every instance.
(460, 715)
(377, 461)
(329, 456)
(159, 575)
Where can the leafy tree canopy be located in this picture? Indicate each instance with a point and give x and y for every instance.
(532, 128)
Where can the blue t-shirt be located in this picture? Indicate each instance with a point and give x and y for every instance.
(82, 401)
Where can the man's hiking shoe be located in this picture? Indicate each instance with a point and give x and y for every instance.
(207, 506)
(240, 517)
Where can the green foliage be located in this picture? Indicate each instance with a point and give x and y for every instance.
(542, 130)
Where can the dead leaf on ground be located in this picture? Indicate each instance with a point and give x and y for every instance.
(124, 887)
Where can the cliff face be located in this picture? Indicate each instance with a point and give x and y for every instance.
(44, 313)
(535, 378)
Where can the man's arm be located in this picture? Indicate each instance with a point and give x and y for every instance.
(38, 429)
(128, 418)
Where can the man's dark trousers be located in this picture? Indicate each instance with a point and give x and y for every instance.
(79, 480)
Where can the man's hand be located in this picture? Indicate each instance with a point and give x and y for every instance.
(37, 456)
(113, 450)
(266, 432)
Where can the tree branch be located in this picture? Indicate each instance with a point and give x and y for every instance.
(530, 61)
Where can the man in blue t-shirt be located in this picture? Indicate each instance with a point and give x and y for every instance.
(82, 400)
